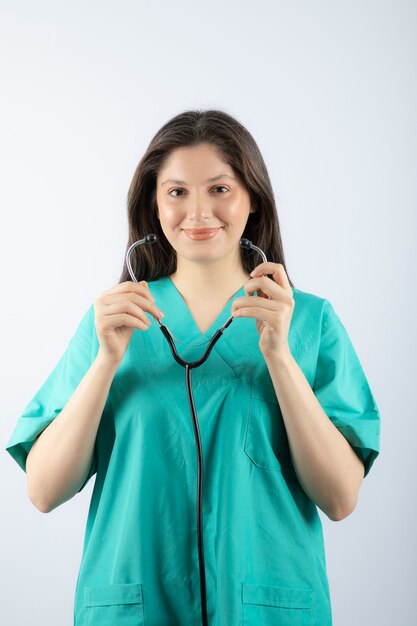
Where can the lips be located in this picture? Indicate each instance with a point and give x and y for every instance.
(201, 233)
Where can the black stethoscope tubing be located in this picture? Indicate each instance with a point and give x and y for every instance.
(245, 243)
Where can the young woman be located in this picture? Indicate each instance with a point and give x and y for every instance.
(204, 509)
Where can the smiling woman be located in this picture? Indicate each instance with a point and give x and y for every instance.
(203, 212)
(218, 522)
(202, 169)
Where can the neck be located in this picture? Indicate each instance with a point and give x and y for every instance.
(211, 281)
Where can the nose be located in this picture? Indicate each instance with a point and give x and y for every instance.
(198, 212)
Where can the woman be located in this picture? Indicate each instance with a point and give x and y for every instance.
(286, 418)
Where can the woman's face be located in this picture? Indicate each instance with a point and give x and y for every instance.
(186, 199)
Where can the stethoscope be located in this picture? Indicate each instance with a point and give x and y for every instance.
(245, 243)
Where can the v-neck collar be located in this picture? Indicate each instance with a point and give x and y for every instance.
(222, 317)
(235, 348)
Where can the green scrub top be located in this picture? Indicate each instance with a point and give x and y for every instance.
(263, 543)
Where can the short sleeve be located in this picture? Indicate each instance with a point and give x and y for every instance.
(55, 392)
(343, 391)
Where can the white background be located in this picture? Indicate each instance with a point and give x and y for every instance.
(328, 90)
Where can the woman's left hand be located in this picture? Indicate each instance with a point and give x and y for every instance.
(272, 308)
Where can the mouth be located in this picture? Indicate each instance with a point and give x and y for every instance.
(201, 233)
(201, 230)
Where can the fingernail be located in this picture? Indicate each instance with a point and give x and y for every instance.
(253, 273)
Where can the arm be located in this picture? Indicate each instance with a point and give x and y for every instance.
(61, 457)
(326, 465)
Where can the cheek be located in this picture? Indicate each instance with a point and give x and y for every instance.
(170, 223)
(237, 214)
(169, 218)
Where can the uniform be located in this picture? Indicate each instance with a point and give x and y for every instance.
(263, 543)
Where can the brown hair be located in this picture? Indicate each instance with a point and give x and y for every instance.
(239, 149)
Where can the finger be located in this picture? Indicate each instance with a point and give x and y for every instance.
(260, 313)
(264, 268)
(277, 271)
(116, 302)
(284, 278)
(263, 285)
(253, 302)
(131, 286)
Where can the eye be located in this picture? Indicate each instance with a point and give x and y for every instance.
(180, 189)
(170, 192)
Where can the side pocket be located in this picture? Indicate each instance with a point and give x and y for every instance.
(276, 606)
(266, 442)
(120, 604)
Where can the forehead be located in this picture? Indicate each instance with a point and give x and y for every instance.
(194, 161)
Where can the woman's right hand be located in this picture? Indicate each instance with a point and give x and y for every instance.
(118, 311)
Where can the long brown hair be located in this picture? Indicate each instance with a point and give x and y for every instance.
(239, 149)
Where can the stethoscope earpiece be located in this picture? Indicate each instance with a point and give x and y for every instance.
(152, 238)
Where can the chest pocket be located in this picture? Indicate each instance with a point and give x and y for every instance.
(109, 605)
(276, 606)
(266, 441)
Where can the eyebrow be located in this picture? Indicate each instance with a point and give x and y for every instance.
(209, 180)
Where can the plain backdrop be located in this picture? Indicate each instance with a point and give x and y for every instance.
(328, 90)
